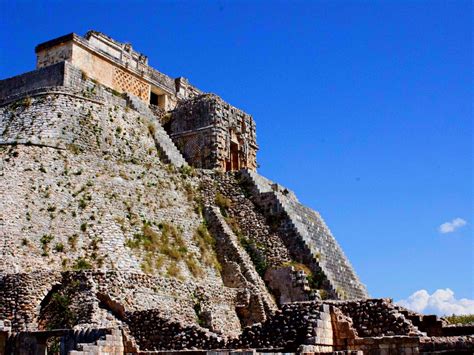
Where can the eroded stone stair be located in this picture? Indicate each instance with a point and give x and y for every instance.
(168, 150)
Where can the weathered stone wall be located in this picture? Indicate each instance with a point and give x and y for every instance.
(81, 181)
(103, 299)
(289, 285)
(55, 54)
(212, 134)
(294, 325)
(44, 77)
(21, 296)
(53, 188)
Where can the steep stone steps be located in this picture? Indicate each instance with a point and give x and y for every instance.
(168, 150)
(331, 257)
(109, 344)
(310, 228)
(231, 252)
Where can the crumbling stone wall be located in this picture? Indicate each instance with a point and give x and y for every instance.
(56, 145)
(153, 332)
(376, 317)
(21, 296)
(296, 324)
(103, 299)
(238, 270)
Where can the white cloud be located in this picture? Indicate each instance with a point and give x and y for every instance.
(441, 302)
(449, 227)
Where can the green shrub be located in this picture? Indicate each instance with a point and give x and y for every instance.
(255, 255)
(62, 315)
(45, 240)
(186, 170)
(72, 240)
(59, 247)
(81, 264)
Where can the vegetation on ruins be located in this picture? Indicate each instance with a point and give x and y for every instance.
(23, 103)
(223, 203)
(187, 171)
(315, 279)
(167, 245)
(206, 243)
(460, 319)
(59, 247)
(255, 253)
(81, 263)
(58, 312)
(198, 310)
(45, 240)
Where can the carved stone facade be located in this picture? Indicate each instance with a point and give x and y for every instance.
(209, 132)
(213, 134)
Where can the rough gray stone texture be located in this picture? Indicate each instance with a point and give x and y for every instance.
(308, 226)
(376, 317)
(97, 341)
(244, 216)
(79, 178)
(92, 203)
(169, 153)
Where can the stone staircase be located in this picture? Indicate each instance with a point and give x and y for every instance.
(108, 344)
(168, 150)
(229, 246)
(309, 228)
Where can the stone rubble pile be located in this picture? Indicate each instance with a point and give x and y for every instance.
(295, 324)
(376, 317)
(152, 332)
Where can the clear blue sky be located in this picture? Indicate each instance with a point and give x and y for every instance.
(364, 109)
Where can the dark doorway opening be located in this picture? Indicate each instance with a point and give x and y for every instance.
(153, 99)
(234, 156)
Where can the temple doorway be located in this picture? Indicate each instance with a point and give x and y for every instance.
(234, 156)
